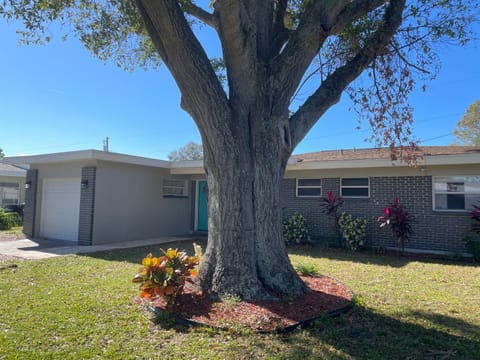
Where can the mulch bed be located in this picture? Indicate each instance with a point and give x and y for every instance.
(326, 296)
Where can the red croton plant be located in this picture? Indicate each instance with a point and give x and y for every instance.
(475, 215)
(398, 220)
(330, 206)
(165, 276)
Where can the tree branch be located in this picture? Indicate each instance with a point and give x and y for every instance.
(409, 63)
(354, 11)
(331, 89)
(237, 31)
(202, 94)
(280, 32)
(201, 14)
(265, 30)
(320, 20)
(303, 44)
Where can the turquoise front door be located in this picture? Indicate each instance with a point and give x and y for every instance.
(202, 205)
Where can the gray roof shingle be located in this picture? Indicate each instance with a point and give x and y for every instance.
(383, 153)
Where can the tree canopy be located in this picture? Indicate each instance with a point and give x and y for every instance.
(467, 130)
(2, 154)
(190, 151)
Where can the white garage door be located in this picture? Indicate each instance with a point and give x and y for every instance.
(60, 209)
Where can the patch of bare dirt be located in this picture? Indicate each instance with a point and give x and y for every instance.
(325, 295)
(5, 258)
(10, 236)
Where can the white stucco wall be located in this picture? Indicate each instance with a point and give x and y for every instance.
(129, 204)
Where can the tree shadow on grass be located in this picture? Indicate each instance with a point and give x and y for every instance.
(136, 254)
(370, 257)
(365, 334)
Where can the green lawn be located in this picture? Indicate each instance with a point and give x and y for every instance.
(16, 230)
(83, 307)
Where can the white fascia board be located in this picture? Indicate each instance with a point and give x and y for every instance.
(342, 164)
(86, 155)
(189, 167)
(13, 173)
(186, 164)
(130, 159)
(463, 159)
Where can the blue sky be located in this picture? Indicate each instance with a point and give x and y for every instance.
(58, 97)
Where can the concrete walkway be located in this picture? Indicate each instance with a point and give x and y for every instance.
(42, 249)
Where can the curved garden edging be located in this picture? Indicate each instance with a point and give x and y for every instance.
(330, 312)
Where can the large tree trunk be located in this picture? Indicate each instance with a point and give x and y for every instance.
(246, 254)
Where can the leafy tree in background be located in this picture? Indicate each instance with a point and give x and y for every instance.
(2, 154)
(191, 151)
(468, 129)
(250, 125)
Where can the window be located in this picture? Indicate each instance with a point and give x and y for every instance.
(355, 188)
(455, 192)
(174, 188)
(9, 194)
(309, 187)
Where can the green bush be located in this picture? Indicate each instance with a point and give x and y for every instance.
(473, 247)
(7, 220)
(16, 218)
(353, 231)
(295, 230)
(18, 209)
(306, 269)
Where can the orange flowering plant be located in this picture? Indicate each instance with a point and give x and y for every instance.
(165, 276)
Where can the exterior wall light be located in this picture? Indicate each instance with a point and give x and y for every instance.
(84, 184)
(28, 184)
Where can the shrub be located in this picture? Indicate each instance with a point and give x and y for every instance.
(7, 220)
(18, 209)
(306, 269)
(473, 247)
(16, 218)
(398, 220)
(473, 243)
(475, 216)
(353, 231)
(331, 205)
(165, 276)
(295, 230)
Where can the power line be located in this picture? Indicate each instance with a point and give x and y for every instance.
(436, 137)
(421, 121)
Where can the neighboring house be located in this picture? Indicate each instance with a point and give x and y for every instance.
(96, 197)
(12, 185)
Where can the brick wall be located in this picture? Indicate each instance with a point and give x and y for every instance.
(30, 203)
(434, 230)
(87, 206)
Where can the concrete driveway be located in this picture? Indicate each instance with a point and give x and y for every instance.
(42, 249)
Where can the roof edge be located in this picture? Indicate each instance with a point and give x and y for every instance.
(90, 154)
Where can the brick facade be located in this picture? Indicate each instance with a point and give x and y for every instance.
(87, 206)
(30, 202)
(433, 230)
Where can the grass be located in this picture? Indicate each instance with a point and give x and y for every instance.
(16, 230)
(306, 269)
(83, 307)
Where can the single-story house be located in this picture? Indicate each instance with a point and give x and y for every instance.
(95, 197)
(12, 185)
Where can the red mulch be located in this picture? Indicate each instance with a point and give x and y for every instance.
(325, 295)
